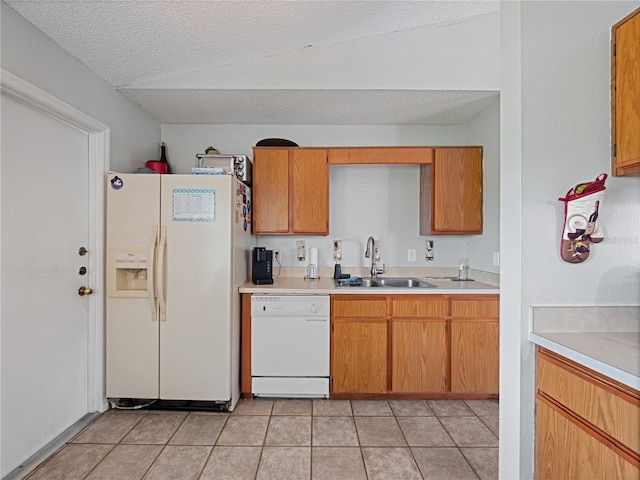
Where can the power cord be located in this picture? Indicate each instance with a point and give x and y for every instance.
(134, 407)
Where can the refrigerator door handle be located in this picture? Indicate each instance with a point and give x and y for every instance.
(161, 274)
(151, 284)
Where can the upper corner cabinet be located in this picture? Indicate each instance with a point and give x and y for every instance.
(625, 95)
(290, 191)
(451, 192)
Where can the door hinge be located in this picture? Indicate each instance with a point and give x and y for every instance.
(615, 150)
(615, 49)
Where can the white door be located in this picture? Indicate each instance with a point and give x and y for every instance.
(44, 188)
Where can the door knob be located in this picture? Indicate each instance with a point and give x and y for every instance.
(85, 291)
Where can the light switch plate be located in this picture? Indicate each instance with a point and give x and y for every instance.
(411, 255)
(337, 250)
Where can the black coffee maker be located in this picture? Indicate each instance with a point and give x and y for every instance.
(262, 266)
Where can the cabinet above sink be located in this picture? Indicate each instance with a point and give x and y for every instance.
(291, 186)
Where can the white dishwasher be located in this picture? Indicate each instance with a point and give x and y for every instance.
(290, 345)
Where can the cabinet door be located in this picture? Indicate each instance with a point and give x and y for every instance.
(475, 343)
(474, 356)
(567, 449)
(612, 408)
(418, 356)
(310, 191)
(451, 192)
(419, 350)
(625, 96)
(359, 356)
(270, 191)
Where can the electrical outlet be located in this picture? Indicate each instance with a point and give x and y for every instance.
(411, 255)
(429, 253)
(376, 250)
(301, 253)
(276, 254)
(496, 259)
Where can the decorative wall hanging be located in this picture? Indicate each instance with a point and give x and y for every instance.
(581, 220)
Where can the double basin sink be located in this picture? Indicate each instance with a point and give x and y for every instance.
(394, 282)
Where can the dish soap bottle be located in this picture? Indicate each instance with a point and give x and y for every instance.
(463, 268)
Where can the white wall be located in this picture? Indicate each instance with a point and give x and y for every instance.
(376, 200)
(32, 56)
(482, 131)
(561, 83)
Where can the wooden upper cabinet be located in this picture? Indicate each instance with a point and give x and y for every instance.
(451, 192)
(380, 155)
(271, 191)
(625, 95)
(290, 191)
(310, 185)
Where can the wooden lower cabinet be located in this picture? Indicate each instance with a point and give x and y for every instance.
(418, 356)
(475, 356)
(419, 350)
(358, 344)
(475, 344)
(410, 345)
(565, 449)
(587, 425)
(359, 356)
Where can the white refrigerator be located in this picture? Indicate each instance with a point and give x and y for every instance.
(178, 248)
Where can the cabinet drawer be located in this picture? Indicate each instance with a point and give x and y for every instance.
(592, 397)
(480, 308)
(566, 449)
(358, 307)
(418, 307)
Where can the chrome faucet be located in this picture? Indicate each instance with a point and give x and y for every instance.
(369, 253)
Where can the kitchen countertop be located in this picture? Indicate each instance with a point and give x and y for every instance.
(301, 286)
(604, 339)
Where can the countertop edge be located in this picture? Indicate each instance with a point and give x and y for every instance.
(325, 286)
(366, 291)
(605, 369)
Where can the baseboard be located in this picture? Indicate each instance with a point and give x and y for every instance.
(50, 448)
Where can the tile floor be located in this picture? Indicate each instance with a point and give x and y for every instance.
(286, 440)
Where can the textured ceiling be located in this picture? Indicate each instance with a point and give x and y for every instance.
(133, 42)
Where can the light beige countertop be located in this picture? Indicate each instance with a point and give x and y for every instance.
(325, 285)
(604, 339)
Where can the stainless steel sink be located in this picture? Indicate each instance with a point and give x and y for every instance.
(404, 283)
(389, 282)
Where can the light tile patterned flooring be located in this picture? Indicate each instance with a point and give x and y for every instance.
(287, 440)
